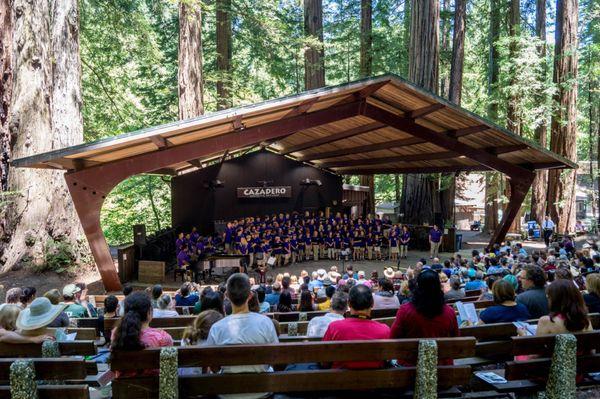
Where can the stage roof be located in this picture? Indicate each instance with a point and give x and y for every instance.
(376, 125)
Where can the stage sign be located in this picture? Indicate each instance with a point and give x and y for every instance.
(265, 192)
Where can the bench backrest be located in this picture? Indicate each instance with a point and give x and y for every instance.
(50, 368)
(54, 391)
(70, 348)
(293, 353)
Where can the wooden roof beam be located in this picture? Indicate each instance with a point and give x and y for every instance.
(426, 169)
(466, 131)
(333, 137)
(421, 112)
(160, 142)
(303, 107)
(398, 158)
(362, 149)
(444, 141)
(506, 149)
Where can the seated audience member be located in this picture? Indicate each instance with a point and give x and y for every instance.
(242, 327)
(426, 315)
(212, 300)
(263, 306)
(197, 332)
(73, 309)
(273, 297)
(455, 291)
(34, 320)
(592, 298)
(476, 284)
(198, 305)
(533, 297)
(306, 302)
(127, 289)
(27, 296)
(385, 297)
(165, 307)
(326, 303)
(62, 320)
(81, 298)
(156, 293)
(13, 297)
(487, 294)
(285, 303)
(506, 309)
(9, 315)
(111, 310)
(567, 311)
(133, 331)
(318, 325)
(185, 296)
(357, 326)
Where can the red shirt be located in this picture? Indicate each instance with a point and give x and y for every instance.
(411, 324)
(353, 329)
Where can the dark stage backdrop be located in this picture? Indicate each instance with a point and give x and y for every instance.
(195, 204)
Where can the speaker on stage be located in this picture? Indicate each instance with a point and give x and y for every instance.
(139, 234)
(438, 220)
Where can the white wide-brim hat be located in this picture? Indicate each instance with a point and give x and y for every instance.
(38, 314)
(389, 272)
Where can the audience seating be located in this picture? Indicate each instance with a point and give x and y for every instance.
(292, 381)
(66, 348)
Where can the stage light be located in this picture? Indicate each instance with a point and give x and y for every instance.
(310, 182)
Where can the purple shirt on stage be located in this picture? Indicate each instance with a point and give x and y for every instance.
(183, 258)
(435, 235)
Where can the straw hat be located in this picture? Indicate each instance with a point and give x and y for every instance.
(575, 271)
(39, 314)
(388, 273)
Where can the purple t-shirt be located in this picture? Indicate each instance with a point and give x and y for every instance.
(435, 235)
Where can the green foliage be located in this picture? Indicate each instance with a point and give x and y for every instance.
(144, 199)
(59, 257)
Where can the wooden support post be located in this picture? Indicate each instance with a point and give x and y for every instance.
(518, 190)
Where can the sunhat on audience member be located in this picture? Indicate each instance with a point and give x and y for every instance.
(39, 314)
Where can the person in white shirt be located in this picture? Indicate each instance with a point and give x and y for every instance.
(242, 327)
(318, 325)
(547, 229)
(165, 308)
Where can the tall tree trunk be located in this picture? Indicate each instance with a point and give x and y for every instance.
(445, 49)
(45, 115)
(366, 70)
(513, 122)
(190, 87)
(405, 39)
(447, 196)
(420, 199)
(561, 183)
(492, 178)
(366, 38)
(6, 83)
(223, 39)
(540, 182)
(314, 55)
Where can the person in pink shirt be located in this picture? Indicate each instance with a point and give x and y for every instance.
(133, 332)
(358, 326)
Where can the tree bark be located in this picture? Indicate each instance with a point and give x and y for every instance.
(561, 183)
(314, 55)
(420, 199)
(45, 115)
(445, 50)
(366, 38)
(6, 83)
(540, 182)
(492, 179)
(513, 122)
(223, 39)
(190, 88)
(405, 39)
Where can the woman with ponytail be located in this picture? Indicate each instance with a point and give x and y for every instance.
(133, 332)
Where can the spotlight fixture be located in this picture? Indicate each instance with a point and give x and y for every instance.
(311, 182)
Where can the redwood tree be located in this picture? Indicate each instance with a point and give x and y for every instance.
(190, 83)
(540, 182)
(562, 183)
(45, 114)
(366, 69)
(6, 82)
(314, 54)
(420, 199)
(514, 21)
(223, 39)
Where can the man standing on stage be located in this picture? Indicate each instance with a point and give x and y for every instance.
(435, 238)
(548, 229)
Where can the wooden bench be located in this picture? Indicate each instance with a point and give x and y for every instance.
(83, 334)
(68, 370)
(292, 381)
(66, 348)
